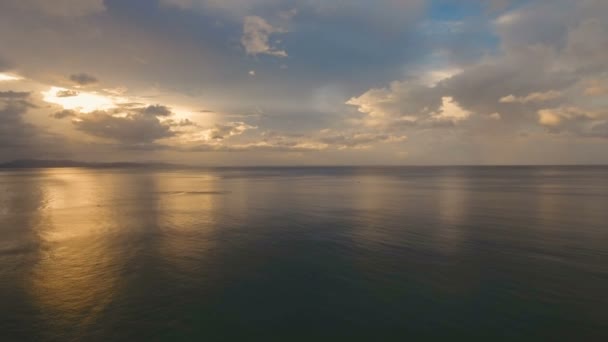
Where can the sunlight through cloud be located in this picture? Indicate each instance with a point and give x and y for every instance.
(85, 102)
(9, 77)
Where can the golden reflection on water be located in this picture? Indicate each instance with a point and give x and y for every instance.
(93, 226)
(78, 272)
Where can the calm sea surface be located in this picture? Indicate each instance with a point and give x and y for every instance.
(304, 254)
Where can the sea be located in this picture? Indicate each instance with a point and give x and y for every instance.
(304, 254)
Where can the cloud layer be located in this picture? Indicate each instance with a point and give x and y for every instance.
(297, 82)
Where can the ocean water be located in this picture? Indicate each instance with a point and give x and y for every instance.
(304, 254)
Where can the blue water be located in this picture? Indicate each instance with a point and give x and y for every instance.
(304, 254)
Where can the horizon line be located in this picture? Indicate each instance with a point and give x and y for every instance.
(38, 163)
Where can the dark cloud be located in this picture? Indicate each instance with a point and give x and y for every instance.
(83, 79)
(227, 130)
(128, 129)
(19, 138)
(130, 125)
(12, 95)
(14, 132)
(184, 123)
(66, 113)
(156, 110)
(67, 93)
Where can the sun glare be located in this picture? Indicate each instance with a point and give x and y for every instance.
(83, 101)
(9, 77)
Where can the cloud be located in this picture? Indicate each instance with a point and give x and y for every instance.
(451, 111)
(15, 133)
(401, 99)
(128, 124)
(534, 97)
(83, 79)
(67, 93)
(575, 121)
(262, 146)
(545, 65)
(224, 131)
(66, 113)
(80, 100)
(19, 138)
(549, 118)
(359, 140)
(11, 95)
(184, 123)
(409, 104)
(129, 129)
(330, 139)
(556, 116)
(133, 125)
(457, 87)
(272, 141)
(9, 77)
(156, 110)
(256, 37)
(61, 8)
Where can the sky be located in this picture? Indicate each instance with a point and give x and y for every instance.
(305, 82)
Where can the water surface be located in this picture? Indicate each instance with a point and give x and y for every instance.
(287, 254)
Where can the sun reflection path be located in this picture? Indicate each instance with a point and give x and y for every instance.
(78, 272)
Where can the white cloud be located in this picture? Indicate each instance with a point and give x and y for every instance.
(534, 97)
(451, 111)
(256, 37)
(400, 99)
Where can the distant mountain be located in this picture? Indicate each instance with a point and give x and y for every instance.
(38, 163)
